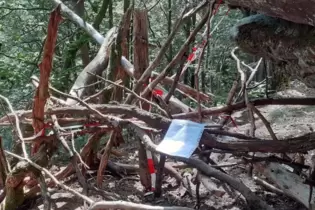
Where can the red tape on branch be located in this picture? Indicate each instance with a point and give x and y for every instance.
(151, 166)
(231, 118)
(156, 91)
(192, 56)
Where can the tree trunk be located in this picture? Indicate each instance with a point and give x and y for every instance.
(123, 41)
(101, 14)
(169, 29)
(110, 14)
(79, 9)
(141, 62)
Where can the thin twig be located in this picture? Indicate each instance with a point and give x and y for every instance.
(176, 80)
(17, 124)
(265, 121)
(178, 56)
(253, 70)
(132, 206)
(73, 157)
(112, 120)
(35, 81)
(244, 91)
(156, 3)
(45, 193)
(132, 92)
(89, 85)
(101, 91)
(268, 186)
(228, 102)
(105, 157)
(76, 152)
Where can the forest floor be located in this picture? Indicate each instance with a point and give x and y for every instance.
(286, 122)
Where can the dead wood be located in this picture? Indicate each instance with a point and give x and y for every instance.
(96, 66)
(132, 206)
(45, 67)
(14, 182)
(4, 168)
(242, 105)
(141, 62)
(290, 183)
(296, 144)
(204, 168)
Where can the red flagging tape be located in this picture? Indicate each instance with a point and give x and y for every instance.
(151, 166)
(232, 120)
(155, 91)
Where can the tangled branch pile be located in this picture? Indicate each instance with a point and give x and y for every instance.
(147, 109)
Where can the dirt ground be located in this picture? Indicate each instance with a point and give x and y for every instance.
(286, 122)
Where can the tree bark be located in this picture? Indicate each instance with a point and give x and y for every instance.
(96, 66)
(79, 9)
(122, 41)
(169, 29)
(110, 14)
(141, 62)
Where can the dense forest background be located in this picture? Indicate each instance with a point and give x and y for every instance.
(23, 31)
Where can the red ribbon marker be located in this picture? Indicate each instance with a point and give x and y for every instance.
(155, 91)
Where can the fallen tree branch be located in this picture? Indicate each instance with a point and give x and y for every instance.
(105, 157)
(252, 199)
(77, 19)
(296, 144)
(242, 105)
(124, 205)
(291, 184)
(96, 66)
(65, 187)
(175, 104)
(17, 125)
(132, 92)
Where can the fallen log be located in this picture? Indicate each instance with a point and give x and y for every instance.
(290, 183)
(96, 66)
